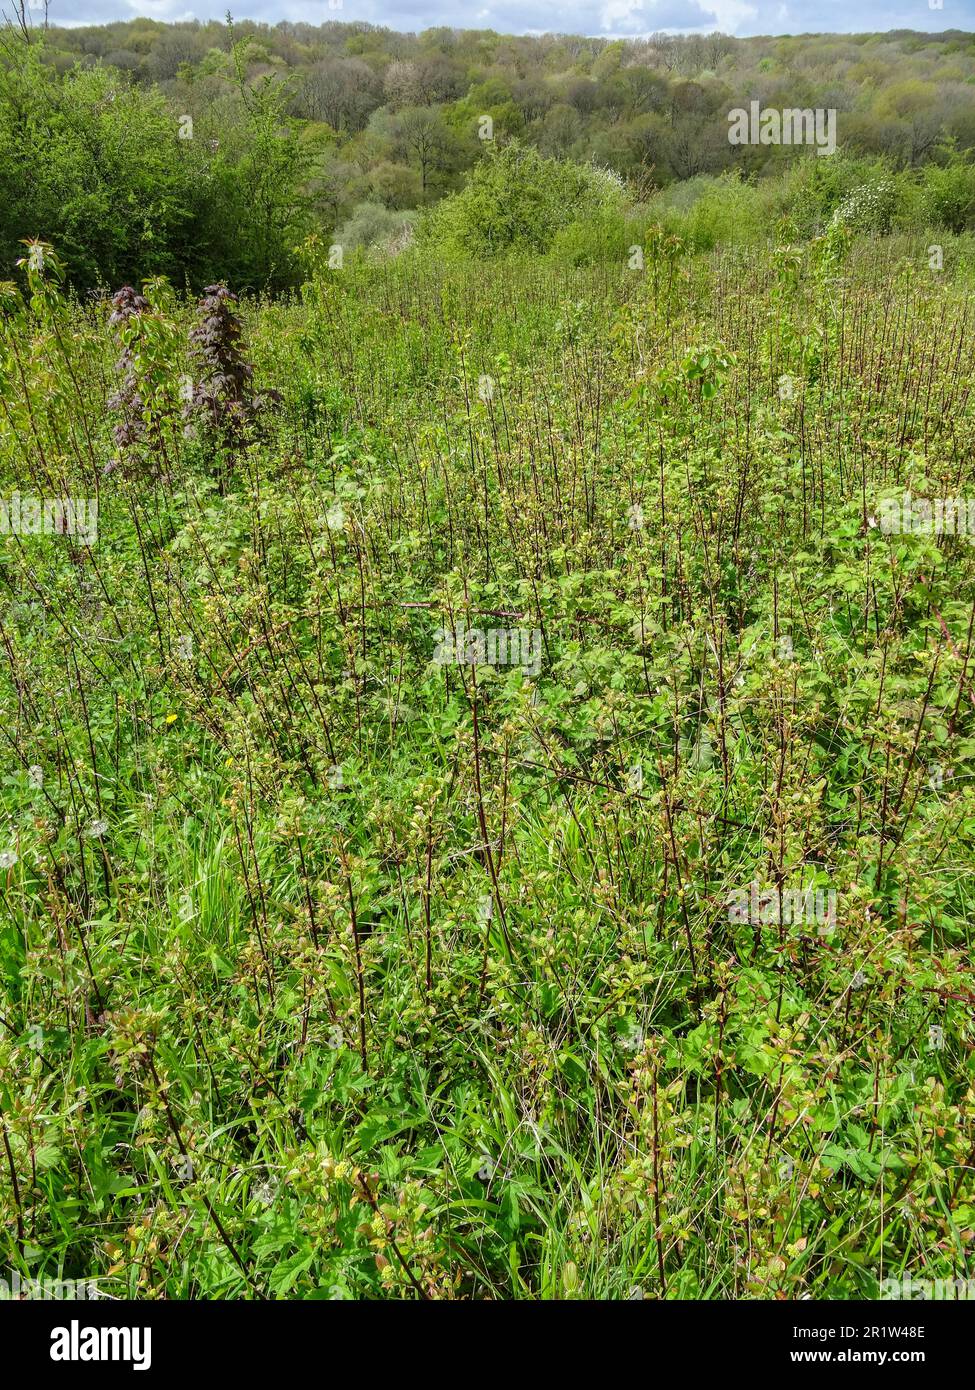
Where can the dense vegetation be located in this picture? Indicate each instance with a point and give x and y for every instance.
(339, 961)
(331, 971)
(206, 152)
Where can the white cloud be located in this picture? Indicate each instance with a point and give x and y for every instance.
(167, 11)
(625, 18)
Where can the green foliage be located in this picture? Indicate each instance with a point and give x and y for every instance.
(127, 187)
(518, 200)
(264, 190)
(818, 187)
(330, 971)
(948, 195)
(372, 225)
(95, 163)
(710, 212)
(333, 967)
(292, 131)
(868, 209)
(603, 237)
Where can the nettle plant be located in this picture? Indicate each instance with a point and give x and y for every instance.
(222, 402)
(45, 368)
(157, 402)
(127, 305)
(146, 401)
(665, 257)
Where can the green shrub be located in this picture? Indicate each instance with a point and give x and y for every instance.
(948, 195)
(815, 188)
(709, 211)
(868, 209)
(518, 200)
(604, 236)
(127, 207)
(372, 225)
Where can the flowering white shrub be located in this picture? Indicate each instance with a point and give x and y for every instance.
(867, 209)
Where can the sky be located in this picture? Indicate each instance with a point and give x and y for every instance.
(603, 18)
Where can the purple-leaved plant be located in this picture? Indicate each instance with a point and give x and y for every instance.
(222, 397)
(127, 307)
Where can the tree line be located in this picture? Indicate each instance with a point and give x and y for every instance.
(209, 151)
